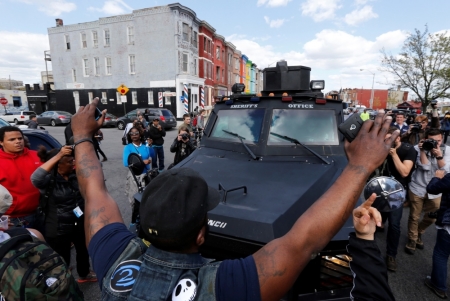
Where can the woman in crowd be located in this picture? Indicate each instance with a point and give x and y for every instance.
(181, 146)
(136, 145)
(64, 221)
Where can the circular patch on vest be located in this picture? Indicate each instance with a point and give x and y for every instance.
(184, 291)
(125, 275)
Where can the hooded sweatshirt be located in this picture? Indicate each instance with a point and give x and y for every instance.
(15, 173)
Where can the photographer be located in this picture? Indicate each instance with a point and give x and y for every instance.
(400, 123)
(416, 131)
(445, 126)
(433, 156)
(181, 146)
(438, 280)
(399, 165)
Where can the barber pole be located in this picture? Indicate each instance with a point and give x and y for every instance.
(202, 97)
(160, 99)
(186, 99)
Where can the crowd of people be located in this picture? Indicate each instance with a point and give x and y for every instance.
(60, 195)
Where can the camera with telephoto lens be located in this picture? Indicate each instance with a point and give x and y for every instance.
(429, 144)
(185, 136)
(415, 127)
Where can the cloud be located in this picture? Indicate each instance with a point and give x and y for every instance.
(22, 55)
(273, 3)
(52, 7)
(320, 10)
(274, 23)
(113, 7)
(360, 15)
(334, 55)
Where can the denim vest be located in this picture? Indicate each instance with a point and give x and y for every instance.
(142, 273)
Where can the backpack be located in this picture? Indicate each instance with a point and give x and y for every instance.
(31, 270)
(194, 122)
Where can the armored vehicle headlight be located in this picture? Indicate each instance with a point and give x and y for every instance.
(317, 85)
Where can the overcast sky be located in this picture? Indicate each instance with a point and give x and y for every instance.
(336, 38)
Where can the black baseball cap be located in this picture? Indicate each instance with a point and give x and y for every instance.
(175, 203)
(155, 119)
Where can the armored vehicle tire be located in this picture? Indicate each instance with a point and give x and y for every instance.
(53, 122)
(120, 125)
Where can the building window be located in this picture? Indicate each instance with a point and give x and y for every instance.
(132, 61)
(83, 40)
(131, 35)
(236, 64)
(86, 67)
(90, 96)
(218, 74)
(150, 97)
(204, 69)
(119, 100)
(223, 75)
(107, 37)
(67, 40)
(194, 42)
(195, 67)
(218, 53)
(229, 59)
(229, 77)
(185, 32)
(74, 75)
(223, 56)
(185, 62)
(134, 98)
(104, 96)
(95, 39)
(96, 66)
(209, 47)
(204, 44)
(108, 65)
(236, 79)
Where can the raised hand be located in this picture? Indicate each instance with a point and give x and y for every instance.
(366, 218)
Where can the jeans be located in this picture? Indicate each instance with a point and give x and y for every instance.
(159, 151)
(440, 258)
(29, 221)
(393, 234)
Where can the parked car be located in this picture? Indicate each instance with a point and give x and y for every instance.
(40, 137)
(18, 117)
(54, 118)
(110, 120)
(3, 123)
(166, 118)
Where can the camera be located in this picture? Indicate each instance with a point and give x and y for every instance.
(415, 127)
(184, 136)
(429, 144)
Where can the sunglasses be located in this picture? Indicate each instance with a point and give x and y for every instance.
(134, 133)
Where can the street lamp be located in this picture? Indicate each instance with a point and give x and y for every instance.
(373, 80)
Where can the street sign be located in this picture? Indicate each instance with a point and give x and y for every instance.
(3, 101)
(122, 89)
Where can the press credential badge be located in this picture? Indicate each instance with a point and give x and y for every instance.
(77, 211)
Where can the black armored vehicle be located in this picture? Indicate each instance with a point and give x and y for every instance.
(272, 155)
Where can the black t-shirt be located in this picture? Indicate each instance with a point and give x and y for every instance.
(405, 152)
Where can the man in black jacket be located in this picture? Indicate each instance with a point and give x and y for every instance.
(156, 133)
(181, 146)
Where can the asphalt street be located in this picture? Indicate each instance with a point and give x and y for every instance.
(407, 283)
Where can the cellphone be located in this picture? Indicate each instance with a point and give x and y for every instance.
(350, 127)
(98, 113)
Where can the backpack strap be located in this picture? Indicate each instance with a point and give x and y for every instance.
(18, 235)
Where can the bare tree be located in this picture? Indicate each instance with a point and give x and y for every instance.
(423, 65)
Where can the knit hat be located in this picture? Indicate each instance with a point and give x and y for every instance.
(5, 200)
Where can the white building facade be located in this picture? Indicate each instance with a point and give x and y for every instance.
(152, 51)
